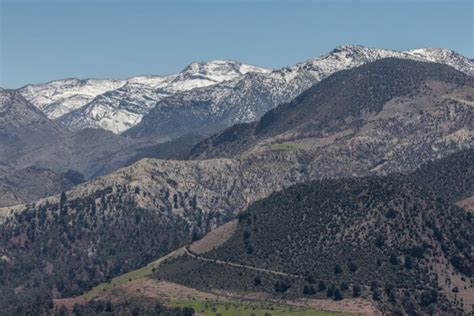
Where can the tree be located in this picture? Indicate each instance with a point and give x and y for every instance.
(77, 310)
(310, 278)
(309, 290)
(257, 281)
(330, 291)
(344, 286)
(393, 259)
(108, 307)
(337, 295)
(428, 297)
(63, 198)
(195, 235)
(249, 249)
(337, 269)
(306, 290)
(408, 263)
(62, 205)
(188, 311)
(390, 291)
(62, 311)
(282, 286)
(356, 290)
(376, 294)
(352, 267)
(321, 286)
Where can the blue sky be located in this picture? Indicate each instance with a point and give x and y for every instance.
(42, 40)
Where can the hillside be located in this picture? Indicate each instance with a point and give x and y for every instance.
(113, 221)
(450, 178)
(454, 169)
(382, 238)
(40, 157)
(349, 102)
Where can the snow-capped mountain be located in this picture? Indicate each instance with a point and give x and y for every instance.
(59, 97)
(204, 97)
(245, 99)
(116, 105)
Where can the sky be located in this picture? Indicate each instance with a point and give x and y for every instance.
(43, 40)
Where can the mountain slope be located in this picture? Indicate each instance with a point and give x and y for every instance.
(450, 178)
(382, 236)
(23, 127)
(59, 97)
(41, 157)
(455, 169)
(26, 131)
(246, 99)
(117, 105)
(204, 97)
(353, 102)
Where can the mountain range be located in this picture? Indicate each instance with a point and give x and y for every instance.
(364, 154)
(205, 96)
(390, 115)
(117, 105)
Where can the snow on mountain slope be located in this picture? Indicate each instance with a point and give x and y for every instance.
(205, 96)
(446, 56)
(124, 107)
(208, 109)
(59, 97)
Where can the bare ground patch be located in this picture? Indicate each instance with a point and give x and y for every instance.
(467, 204)
(214, 238)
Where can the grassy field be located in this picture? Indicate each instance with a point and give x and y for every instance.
(283, 147)
(250, 308)
(122, 279)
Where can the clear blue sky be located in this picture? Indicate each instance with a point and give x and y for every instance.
(42, 40)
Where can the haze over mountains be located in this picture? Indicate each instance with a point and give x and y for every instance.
(354, 122)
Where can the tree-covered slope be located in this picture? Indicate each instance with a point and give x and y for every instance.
(450, 178)
(341, 101)
(62, 248)
(389, 238)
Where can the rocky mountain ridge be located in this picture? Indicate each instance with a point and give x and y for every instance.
(204, 97)
(116, 105)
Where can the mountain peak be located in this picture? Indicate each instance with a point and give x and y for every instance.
(349, 47)
(221, 70)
